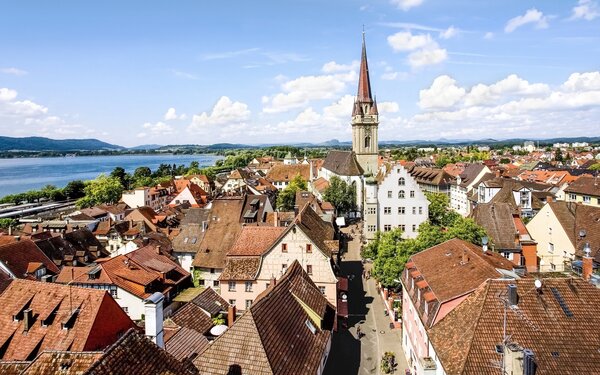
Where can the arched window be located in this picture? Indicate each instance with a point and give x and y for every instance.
(367, 141)
(401, 181)
(401, 194)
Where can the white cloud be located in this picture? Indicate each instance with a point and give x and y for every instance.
(585, 9)
(450, 32)
(227, 54)
(443, 93)
(406, 41)
(583, 82)
(406, 4)
(341, 108)
(172, 115)
(7, 94)
(509, 107)
(392, 76)
(333, 67)
(425, 50)
(158, 129)
(512, 85)
(299, 92)
(411, 26)
(427, 57)
(531, 16)
(13, 71)
(489, 35)
(225, 112)
(388, 107)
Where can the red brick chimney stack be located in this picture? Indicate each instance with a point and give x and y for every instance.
(231, 311)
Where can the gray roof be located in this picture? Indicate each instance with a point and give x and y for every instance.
(342, 163)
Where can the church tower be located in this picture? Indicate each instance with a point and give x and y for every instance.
(365, 120)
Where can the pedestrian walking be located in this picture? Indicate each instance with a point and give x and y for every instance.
(358, 333)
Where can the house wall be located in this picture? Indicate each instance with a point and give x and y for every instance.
(420, 204)
(415, 342)
(549, 234)
(459, 201)
(322, 273)
(209, 275)
(240, 295)
(185, 261)
(136, 198)
(185, 196)
(132, 304)
(589, 200)
(371, 210)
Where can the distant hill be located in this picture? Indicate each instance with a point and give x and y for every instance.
(47, 144)
(146, 147)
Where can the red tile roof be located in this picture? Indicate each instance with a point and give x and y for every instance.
(254, 241)
(17, 257)
(93, 318)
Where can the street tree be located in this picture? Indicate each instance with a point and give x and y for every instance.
(341, 194)
(101, 190)
(287, 197)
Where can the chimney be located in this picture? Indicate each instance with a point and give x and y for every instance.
(10, 230)
(517, 239)
(231, 311)
(27, 319)
(145, 241)
(588, 263)
(275, 223)
(153, 315)
(513, 297)
(273, 281)
(549, 199)
(158, 249)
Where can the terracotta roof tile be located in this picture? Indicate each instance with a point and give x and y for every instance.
(60, 362)
(342, 163)
(191, 316)
(240, 268)
(55, 304)
(255, 240)
(465, 340)
(210, 301)
(585, 185)
(16, 257)
(287, 173)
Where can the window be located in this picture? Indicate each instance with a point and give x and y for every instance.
(322, 289)
(389, 193)
(387, 210)
(572, 197)
(402, 227)
(401, 181)
(549, 231)
(367, 141)
(232, 286)
(248, 286)
(553, 266)
(201, 282)
(587, 199)
(371, 211)
(401, 210)
(387, 228)
(550, 247)
(212, 270)
(309, 248)
(414, 210)
(414, 227)
(284, 248)
(412, 193)
(420, 210)
(309, 269)
(401, 194)
(113, 292)
(216, 283)
(283, 267)
(126, 309)
(232, 302)
(248, 303)
(371, 228)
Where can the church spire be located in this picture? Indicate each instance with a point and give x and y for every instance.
(364, 82)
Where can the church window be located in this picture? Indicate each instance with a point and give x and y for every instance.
(401, 194)
(401, 181)
(367, 141)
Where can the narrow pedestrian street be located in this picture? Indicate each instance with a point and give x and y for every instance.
(350, 355)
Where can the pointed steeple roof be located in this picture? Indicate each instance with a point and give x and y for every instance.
(364, 82)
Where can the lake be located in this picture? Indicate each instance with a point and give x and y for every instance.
(22, 174)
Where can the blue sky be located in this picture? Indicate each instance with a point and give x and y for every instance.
(139, 72)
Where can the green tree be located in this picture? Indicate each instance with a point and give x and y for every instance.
(595, 167)
(74, 189)
(286, 199)
(123, 177)
(6, 223)
(101, 190)
(438, 207)
(341, 194)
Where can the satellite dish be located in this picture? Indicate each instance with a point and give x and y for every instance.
(218, 330)
(538, 283)
(582, 233)
(484, 240)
